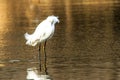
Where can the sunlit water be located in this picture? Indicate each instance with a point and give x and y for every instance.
(85, 46)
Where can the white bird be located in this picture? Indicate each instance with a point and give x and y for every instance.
(42, 33)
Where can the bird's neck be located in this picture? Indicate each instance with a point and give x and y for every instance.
(52, 23)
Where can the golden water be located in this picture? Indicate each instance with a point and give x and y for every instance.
(85, 46)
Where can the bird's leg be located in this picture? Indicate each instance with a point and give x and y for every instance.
(39, 57)
(45, 58)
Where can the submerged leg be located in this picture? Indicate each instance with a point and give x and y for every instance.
(45, 59)
(39, 57)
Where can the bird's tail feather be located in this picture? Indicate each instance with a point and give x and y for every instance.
(27, 36)
(30, 39)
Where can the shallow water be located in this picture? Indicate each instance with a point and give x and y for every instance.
(85, 46)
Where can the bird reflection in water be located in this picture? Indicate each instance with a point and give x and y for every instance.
(33, 74)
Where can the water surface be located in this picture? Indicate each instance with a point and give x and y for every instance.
(85, 46)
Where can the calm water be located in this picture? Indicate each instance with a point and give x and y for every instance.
(85, 46)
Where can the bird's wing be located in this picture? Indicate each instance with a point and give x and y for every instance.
(43, 30)
(42, 27)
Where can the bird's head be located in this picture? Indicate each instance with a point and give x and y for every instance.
(53, 19)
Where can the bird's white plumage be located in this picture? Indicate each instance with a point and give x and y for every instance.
(44, 31)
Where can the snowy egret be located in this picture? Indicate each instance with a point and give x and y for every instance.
(42, 33)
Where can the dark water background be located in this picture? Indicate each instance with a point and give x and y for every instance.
(85, 46)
